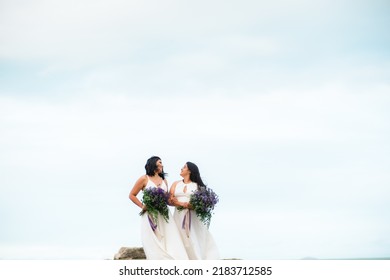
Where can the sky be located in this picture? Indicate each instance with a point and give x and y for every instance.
(283, 105)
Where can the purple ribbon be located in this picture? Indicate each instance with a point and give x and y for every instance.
(152, 224)
(186, 224)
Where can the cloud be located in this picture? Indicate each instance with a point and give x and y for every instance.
(84, 32)
(144, 48)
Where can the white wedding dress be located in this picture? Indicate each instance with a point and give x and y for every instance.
(198, 241)
(162, 242)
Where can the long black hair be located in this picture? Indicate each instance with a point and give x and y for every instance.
(151, 167)
(195, 174)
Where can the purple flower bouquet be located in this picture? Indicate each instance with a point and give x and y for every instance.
(203, 202)
(156, 202)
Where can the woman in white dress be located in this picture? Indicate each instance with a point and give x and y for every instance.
(197, 239)
(160, 240)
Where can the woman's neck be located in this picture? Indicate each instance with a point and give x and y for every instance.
(186, 180)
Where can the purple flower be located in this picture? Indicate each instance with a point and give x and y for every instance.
(156, 202)
(203, 202)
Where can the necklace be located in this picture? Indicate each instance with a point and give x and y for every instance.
(154, 179)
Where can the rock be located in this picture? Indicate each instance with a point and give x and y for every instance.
(130, 253)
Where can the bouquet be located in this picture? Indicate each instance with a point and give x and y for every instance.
(156, 202)
(203, 201)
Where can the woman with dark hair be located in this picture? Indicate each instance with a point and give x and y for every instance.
(198, 241)
(160, 239)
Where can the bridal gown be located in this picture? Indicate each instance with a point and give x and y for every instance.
(198, 241)
(163, 242)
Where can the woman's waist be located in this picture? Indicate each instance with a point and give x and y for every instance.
(183, 198)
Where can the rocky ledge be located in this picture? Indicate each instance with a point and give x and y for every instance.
(130, 253)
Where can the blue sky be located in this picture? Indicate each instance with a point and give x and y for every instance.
(283, 106)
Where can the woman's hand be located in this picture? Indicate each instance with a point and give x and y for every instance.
(173, 201)
(186, 205)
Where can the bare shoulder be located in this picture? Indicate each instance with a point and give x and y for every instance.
(173, 187)
(143, 179)
(175, 183)
(141, 182)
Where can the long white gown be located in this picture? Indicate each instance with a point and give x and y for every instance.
(163, 242)
(198, 241)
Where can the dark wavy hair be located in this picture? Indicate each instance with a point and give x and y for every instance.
(151, 167)
(195, 174)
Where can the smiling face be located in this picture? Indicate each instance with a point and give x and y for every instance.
(160, 166)
(185, 171)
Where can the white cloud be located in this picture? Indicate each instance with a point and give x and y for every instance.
(86, 31)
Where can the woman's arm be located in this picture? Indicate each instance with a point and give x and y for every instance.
(138, 186)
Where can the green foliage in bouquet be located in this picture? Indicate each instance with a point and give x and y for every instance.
(203, 201)
(156, 202)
